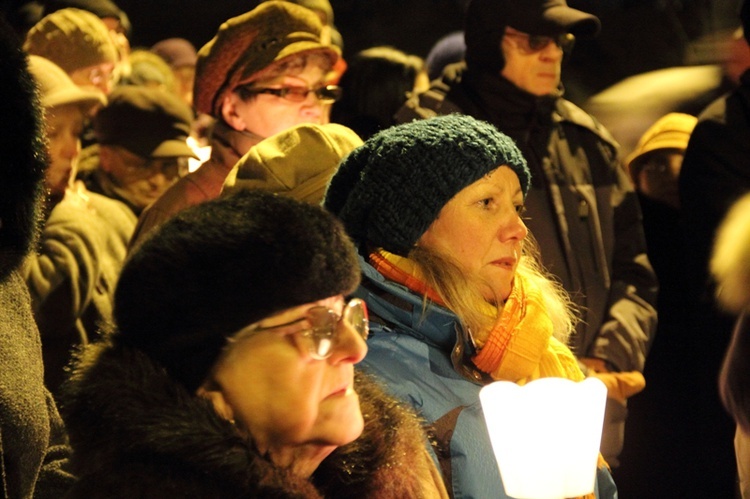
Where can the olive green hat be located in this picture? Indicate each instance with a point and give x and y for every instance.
(298, 162)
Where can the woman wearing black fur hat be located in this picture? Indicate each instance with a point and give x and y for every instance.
(231, 369)
(456, 296)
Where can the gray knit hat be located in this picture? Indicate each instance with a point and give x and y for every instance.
(391, 189)
(223, 265)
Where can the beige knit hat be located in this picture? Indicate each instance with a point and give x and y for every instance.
(57, 89)
(297, 163)
(671, 131)
(247, 46)
(72, 39)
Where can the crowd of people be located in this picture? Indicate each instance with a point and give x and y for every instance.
(265, 268)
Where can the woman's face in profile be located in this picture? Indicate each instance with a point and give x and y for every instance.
(482, 230)
(295, 408)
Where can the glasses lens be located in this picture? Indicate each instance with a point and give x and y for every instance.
(538, 42)
(329, 93)
(355, 314)
(323, 326)
(294, 94)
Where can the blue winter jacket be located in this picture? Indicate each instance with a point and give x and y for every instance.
(410, 351)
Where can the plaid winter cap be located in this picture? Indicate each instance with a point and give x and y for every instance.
(247, 46)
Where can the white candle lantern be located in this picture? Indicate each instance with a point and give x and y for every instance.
(545, 435)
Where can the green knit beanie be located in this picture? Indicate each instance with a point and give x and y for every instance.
(388, 191)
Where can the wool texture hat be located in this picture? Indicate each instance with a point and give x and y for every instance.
(101, 8)
(178, 52)
(72, 39)
(671, 131)
(389, 191)
(57, 89)
(486, 21)
(322, 6)
(298, 162)
(149, 122)
(222, 265)
(246, 47)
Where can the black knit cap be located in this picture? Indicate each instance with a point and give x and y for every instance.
(388, 191)
(222, 265)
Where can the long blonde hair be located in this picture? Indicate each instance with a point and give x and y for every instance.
(463, 295)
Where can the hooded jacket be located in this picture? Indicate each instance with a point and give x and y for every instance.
(72, 275)
(136, 432)
(422, 356)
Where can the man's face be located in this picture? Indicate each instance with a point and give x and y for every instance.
(265, 114)
(140, 180)
(533, 63)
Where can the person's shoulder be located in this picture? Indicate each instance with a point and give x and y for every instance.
(436, 100)
(569, 112)
(110, 207)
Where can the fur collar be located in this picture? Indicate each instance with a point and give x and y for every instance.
(127, 418)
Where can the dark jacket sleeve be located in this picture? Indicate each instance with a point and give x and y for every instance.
(626, 332)
(715, 173)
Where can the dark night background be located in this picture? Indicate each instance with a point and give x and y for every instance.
(637, 35)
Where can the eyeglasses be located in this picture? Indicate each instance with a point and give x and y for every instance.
(327, 94)
(140, 168)
(531, 44)
(320, 332)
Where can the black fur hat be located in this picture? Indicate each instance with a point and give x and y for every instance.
(24, 156)
(223, 265)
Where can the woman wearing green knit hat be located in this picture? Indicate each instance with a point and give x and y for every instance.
(451, 280)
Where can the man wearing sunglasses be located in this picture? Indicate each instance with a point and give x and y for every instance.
(264, 72)
(581, 207)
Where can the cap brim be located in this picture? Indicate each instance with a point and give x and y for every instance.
(84, 98)
(576, 22)
(172, 149)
